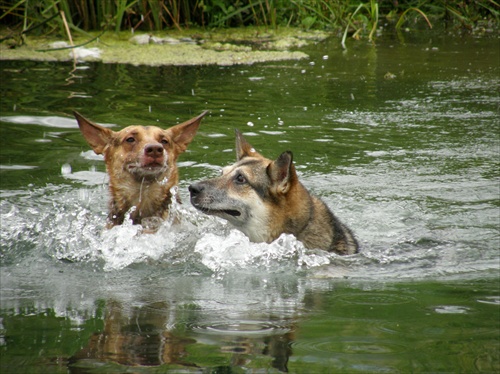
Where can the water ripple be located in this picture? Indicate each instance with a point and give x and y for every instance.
(351, 345)
(375, 299)
(242, 328)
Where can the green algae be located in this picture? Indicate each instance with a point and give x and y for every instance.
(191, 47)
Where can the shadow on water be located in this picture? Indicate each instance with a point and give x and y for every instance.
(401, 141)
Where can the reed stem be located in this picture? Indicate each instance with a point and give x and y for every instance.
(357, 17)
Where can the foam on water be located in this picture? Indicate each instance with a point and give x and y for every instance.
(70, 227)
(221, 252)
(199, 242)
(67, 224)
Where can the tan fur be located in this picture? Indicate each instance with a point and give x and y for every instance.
(264, 199)
(142, 168)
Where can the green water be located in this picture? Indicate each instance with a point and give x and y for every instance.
(409, 160)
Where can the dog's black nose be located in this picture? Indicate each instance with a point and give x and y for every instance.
(153, 150)
(195, 189)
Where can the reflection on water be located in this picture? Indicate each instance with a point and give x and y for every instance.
(409, 163)
(135, 337)
(267, 321)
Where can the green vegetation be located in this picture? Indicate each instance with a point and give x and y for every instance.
(358, 18)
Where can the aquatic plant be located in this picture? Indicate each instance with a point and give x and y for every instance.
(370, 18)
(351, 17)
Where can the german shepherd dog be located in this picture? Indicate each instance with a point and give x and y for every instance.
(142, 168)
(264, 198)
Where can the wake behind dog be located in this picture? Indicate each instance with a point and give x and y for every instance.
(264, 199)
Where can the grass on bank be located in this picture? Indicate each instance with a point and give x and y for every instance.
(358, 19)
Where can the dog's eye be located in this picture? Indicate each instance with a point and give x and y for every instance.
(164, 141)
(240, 179)
(130, 139)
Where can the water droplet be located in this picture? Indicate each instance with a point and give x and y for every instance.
(66, 169)
(451, 309)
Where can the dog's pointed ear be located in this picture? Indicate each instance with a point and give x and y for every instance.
(183, 133)
(96, 135)
(244, 148)
(282, 172)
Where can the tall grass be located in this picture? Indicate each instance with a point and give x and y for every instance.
(359, 18)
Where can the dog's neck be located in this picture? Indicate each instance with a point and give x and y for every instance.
(302, 213)
(151, 198)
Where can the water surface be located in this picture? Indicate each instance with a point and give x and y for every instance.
(400, 139)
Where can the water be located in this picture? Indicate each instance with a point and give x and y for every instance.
(409, 162)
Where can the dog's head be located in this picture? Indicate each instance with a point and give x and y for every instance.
(143, 152)
(248, 191)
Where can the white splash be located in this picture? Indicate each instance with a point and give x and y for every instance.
(220, 253)
(163, 182)
(124, 245)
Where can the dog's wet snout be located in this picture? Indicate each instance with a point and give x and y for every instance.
(195, 189)
(153, 150)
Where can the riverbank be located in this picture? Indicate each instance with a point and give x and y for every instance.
(191, 47)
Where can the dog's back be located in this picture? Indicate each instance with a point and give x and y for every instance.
(325, 227)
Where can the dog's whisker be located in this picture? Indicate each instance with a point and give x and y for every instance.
(140, 190)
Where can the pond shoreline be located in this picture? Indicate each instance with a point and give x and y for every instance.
(191, 47)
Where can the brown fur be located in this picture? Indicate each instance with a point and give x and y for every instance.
(142, 168)
(264, 198)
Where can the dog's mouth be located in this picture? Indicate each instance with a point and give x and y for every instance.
(230, 212)
(153, 167)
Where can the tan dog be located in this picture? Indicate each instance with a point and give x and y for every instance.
(142, 168)
(264, 198)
